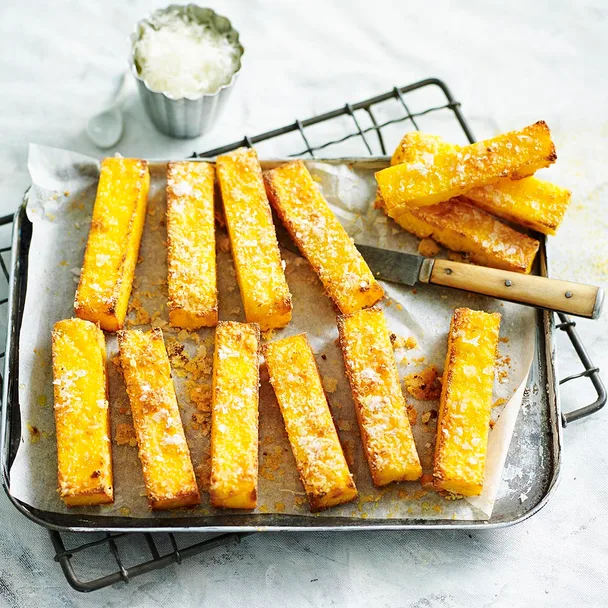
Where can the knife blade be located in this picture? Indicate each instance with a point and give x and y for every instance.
(396, 266)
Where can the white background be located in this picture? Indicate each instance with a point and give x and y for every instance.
(510, 64)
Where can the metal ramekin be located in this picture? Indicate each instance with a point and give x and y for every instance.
(185, 118)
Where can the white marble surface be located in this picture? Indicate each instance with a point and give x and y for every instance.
(510, 63)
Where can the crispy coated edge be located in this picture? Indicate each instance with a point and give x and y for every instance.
(182, 498)
(274, 198)
(99, 490)
(112, 300)
(254, 493)
(314, 499)
(283, 305)
(340, 321)
(210, 313)
(438, 472)
(476, 257)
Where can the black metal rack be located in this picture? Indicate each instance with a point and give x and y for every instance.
(368, 119)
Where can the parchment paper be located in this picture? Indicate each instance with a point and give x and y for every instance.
(60, 207)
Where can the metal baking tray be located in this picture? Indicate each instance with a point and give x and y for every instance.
(535, 450)
(536, 447)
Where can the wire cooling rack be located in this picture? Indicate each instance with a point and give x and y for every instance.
(363, 129)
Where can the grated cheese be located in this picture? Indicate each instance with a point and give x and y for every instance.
(183, 58)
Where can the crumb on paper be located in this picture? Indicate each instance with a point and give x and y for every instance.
(418, 360)
(344, 425)
(428, 248)
(271, 462)
(428, 416)
(504, 340)
(141, 316)
(35, 433)
(183, 334)
(159, 322)
(125, 435)
(176, 352)
(399, 342)
(404, 361)
(125, 511)
(200, 395)
(412, 414)
(492, 423)
(42, 400)
(330, 383)
(424, 385)
(499, 402)
(294, 264)
(279, 507)
(369, 498)
(201, 421)
(450, 495)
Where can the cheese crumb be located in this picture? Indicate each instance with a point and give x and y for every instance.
(424, 385)
(428, 248)
(330, 384)
(125, 435)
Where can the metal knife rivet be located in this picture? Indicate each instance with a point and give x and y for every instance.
(508, 282)
(568, 294)
(448, 271)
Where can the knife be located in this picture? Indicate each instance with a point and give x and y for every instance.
(560, 296)
(408, 269)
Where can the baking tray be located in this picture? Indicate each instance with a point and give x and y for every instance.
(535, 450)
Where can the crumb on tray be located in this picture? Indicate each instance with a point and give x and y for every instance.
(125, 435)
(330, 384)
(35, 433)
(344, 425)
(428, 248)
(424, 385)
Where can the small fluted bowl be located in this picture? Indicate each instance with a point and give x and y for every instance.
(185, 117)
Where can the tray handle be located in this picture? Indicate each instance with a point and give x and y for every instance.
(591, 371)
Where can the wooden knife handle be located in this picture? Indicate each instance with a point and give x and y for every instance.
(561, 296)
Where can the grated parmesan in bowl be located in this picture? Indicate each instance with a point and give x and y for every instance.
(185, 60)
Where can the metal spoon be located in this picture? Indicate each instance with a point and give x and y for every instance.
(105, 129)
